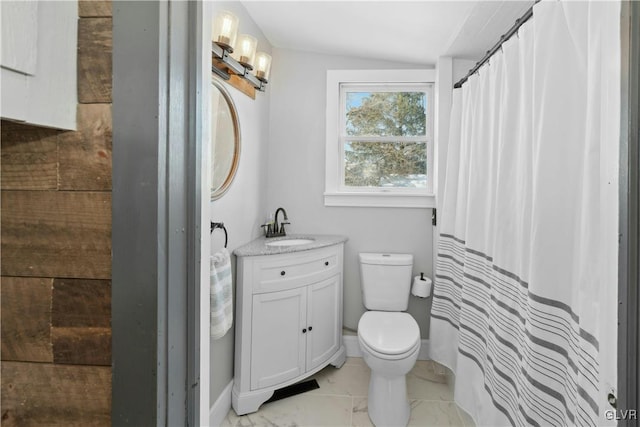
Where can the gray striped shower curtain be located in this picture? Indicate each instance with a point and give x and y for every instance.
(524, 306)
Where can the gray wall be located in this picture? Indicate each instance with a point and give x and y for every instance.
(296, 172)
(241, 208)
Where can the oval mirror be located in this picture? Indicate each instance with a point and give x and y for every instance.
(225, 140)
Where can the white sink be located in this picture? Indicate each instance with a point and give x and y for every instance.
(290, 242)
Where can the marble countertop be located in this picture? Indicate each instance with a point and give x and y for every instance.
(259, 246)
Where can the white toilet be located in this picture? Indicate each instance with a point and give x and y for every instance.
(388, 337)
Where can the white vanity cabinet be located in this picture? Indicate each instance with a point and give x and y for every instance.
(288, 321)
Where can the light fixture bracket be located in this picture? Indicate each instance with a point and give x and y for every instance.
(224, 65)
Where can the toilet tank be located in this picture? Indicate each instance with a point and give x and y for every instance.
(386, 280)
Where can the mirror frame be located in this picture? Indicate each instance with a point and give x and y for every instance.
(216, 193)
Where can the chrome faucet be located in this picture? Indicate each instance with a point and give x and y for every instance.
(276, 230)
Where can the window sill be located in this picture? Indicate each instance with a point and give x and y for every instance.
(379, 200)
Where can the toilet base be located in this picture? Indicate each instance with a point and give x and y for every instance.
(388, 403)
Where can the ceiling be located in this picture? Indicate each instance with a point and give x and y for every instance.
(401, 31)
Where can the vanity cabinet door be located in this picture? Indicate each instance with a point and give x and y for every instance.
(323, 320)
(278, 340)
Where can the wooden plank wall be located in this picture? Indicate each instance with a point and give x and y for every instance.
(55, 288)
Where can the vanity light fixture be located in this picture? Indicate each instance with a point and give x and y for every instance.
(244, 58)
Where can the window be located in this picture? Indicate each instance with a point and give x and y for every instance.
(379, 138)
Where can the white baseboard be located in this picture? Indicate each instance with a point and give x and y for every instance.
(221, 407)
(353, 348)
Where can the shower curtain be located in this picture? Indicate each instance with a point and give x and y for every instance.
(523, 277)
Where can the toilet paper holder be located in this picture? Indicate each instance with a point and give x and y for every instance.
(421, 286)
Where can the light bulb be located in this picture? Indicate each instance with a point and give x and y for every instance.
(245, 51)
(263, 66)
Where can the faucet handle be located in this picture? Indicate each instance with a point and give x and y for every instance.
(282, 224)
(267, 228)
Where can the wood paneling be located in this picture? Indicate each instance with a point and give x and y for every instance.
(29, 157)
(56, 320)
(56, 234)
(26, 319)
(95, 45)
(37, 394)
(85, 156)
(81, 303)
(58, 312)
(81, 346)
(94, 8)
(81, 320)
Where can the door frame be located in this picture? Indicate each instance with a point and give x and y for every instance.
(156, 213)
(629, 250)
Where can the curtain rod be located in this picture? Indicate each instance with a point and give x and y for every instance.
(506, 36)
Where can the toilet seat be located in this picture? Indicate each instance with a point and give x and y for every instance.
(389, 335)
(390, 357)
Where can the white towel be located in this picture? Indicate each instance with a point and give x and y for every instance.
(221, 294)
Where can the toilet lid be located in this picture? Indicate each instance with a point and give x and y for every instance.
(388, 332)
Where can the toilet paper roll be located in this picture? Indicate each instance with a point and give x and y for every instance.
(421, 288)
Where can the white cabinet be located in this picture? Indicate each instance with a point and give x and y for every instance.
(277, 343)
(38, 62)
(323, 301)
(289, 321)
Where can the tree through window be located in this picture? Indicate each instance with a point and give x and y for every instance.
(384, 135)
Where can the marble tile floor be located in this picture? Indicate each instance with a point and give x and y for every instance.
(341, 400)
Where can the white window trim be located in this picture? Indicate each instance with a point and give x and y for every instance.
(335, 194)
